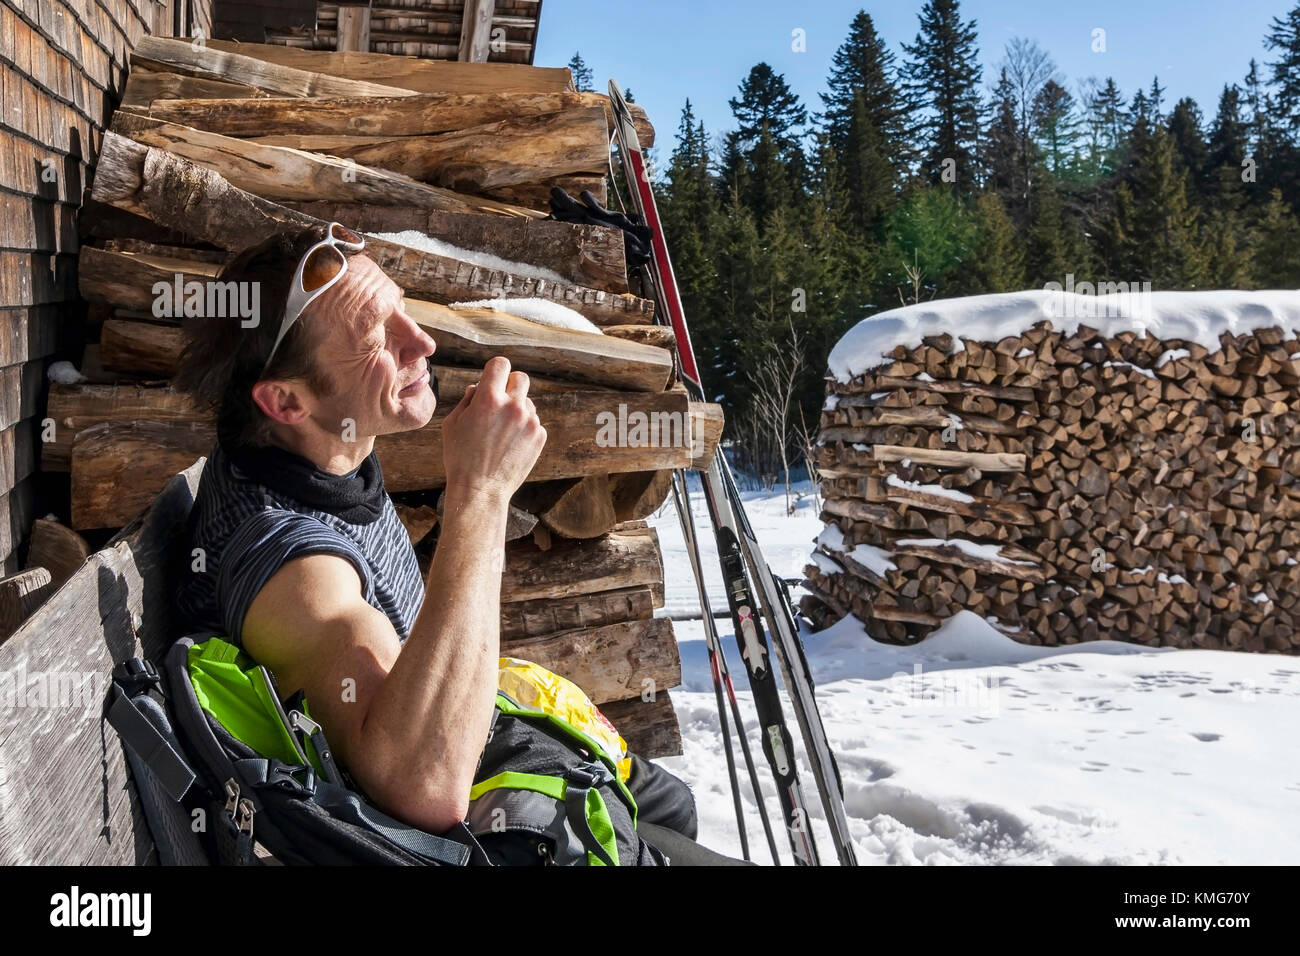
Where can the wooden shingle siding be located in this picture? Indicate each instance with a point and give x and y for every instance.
(63, 64)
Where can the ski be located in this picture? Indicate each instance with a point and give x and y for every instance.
(721, 675)
(745, 570)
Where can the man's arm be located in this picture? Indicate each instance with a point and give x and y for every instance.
(409, 722)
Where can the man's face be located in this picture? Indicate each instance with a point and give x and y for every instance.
(373, 353)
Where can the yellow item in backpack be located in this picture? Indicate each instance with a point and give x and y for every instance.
(533, 686)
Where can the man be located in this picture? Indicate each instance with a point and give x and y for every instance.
(301, 558)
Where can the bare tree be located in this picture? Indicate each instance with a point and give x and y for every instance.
(1029, 67)
(776, 379)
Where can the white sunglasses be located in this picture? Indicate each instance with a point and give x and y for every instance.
(320, 267)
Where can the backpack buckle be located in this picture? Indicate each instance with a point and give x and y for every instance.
(136, 674)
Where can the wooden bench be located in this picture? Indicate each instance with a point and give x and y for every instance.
(66, 793)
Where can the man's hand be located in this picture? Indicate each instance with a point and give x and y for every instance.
(492, 438)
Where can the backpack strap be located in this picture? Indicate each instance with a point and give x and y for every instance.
(132, 678)
(346, 805)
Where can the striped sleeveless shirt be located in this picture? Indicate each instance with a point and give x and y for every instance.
(247, 530)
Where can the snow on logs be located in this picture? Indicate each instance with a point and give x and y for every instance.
(1071, 468)
(215, 150)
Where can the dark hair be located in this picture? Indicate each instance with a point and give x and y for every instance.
(222, 360)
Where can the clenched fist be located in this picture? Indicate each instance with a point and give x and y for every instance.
(492, 438)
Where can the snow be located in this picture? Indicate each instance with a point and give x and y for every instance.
(988, 552)
(65, 373)
(970, 748)
(418, 240)
(1199, 317)
(1137, 368)
(832, 403)
(937, 490)
(876, 560)
(542, 311)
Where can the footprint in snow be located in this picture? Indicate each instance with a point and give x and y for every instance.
(1207, 738)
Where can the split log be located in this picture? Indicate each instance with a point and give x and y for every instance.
(163, 55)
(434, 76)
(613, 662)
(581, 254)
(640, 494)
(279, 173)
(174, 192)
(649, 726)
(418, 520)
(413, 116)
(119, 467)
(583, 438)
(475, 335)
(574, 569)
(20, 595)
(490, 156)
(145, 348)
(145, 88)
(56, 548)
(540, 616)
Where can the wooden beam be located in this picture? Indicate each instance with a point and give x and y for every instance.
(408, 72)
(415, 115)
(278, 173)
(145, 88)
(211, 63)
(476, 31)
(509, 152)
(354, 27)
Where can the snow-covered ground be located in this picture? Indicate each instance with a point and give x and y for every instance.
(971, 748)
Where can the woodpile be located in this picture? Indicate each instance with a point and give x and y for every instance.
(1067, 488)
(188, 178)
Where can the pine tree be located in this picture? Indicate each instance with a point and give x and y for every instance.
(1028, 69)
(582, 76)
(1056, 128)
(1275, 253)
(943, 74)
(763, 158)
(1052, 251)
(869, 175)
(928, 242)
(1000, 158)
(866, 124)
(1165, 224)
(997, 262)
(1284, 37)
(1184, 127)
(1226, 153)
(863, 66)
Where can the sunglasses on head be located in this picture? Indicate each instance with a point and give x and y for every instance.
(320, 267)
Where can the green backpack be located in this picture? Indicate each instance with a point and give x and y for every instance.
(546, 791)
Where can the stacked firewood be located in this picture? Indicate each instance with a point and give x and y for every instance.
(1067, 488)
(188, 176)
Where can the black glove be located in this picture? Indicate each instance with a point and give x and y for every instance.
(636, 236)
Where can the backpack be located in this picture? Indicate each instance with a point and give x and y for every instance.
(221, 757)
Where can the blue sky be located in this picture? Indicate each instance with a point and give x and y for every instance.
(668, 50)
